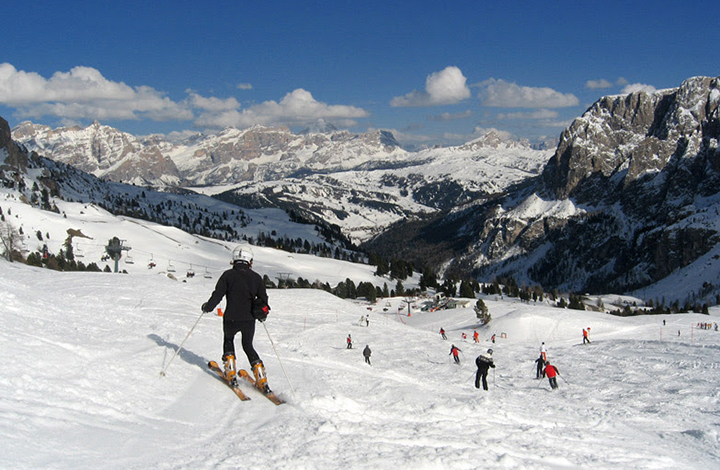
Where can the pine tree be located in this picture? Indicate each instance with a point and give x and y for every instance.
(482, 312)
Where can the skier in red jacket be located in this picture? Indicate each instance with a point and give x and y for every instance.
(551, 372)
(454, 350)
(585, 336)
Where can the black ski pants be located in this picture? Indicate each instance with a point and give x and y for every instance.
(247, 330)
(481, 376)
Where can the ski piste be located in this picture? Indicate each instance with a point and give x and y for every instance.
(270, 396)
(216, 368)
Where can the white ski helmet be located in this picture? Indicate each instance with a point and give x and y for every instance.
(243, 254)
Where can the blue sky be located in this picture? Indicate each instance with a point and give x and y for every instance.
(430, 72)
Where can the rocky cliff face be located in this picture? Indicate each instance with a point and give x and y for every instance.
(229, 157)
(631, 194)
(643, 171)
(622, 139)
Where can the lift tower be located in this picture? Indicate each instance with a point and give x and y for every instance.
(114, 249)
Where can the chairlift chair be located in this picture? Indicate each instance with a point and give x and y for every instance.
(78, 252)
(128, 259)
(190, 272)
(170, 268)
(151, 263)
(207, 274)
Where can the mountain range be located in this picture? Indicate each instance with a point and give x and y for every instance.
(627, 199)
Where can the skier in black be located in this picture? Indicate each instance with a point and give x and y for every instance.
(483, 362)
(540, 365)
(367, 352)
(246, 301)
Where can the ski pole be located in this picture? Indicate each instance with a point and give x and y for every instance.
(177, 351)
(564, 379)
(278, 357)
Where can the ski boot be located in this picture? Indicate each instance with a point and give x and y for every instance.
(229, 372)
(260, 376)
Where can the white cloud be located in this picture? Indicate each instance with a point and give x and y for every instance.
(538, 114)
(447, 86)
(502, 94)
(212, 103)
(244, 86)
(446, 117)
(633, 87)
(598, 84)
(296, 108)
(83, 93)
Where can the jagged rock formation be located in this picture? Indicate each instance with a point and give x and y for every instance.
(358, 183)
(630, 195)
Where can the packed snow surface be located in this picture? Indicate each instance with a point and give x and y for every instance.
(80, 383)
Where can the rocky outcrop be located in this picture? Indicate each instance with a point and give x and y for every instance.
(621, 139)
(629, 196)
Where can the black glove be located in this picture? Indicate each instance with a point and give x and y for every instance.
(260, 312)
(205, 308)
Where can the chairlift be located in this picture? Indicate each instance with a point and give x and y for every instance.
(190, 272)
(207, 274)
(170, 268)
(129, 259)
(78, 252)
(151, 263)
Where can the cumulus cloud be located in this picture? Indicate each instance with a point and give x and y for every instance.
(598, 84)
(212, 103)
(502, 94)
(83, 93)
(296, 108)
(633, 87)
(245, 86)
(447, 117)
(538, 114)
(447, 86)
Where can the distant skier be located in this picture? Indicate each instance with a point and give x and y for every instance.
(483, 363)
(367, 353)
(551, 372)
(367, 320)
(585, 336)
(540, 365)
(464, 336)
(476, 337)
(492, 338)
(442, 333)
(454, 351)
(349, 342)
(543, 352)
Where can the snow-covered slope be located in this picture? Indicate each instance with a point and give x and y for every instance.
(80, 386)
(170, 249)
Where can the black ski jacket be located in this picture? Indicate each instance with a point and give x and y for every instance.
(483, 363)
(242, 286)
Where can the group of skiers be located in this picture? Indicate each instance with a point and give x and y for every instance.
(546, 369)
(247, 302)
(484, 362)
(367, 352)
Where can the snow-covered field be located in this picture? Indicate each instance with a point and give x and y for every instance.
(80, 383)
